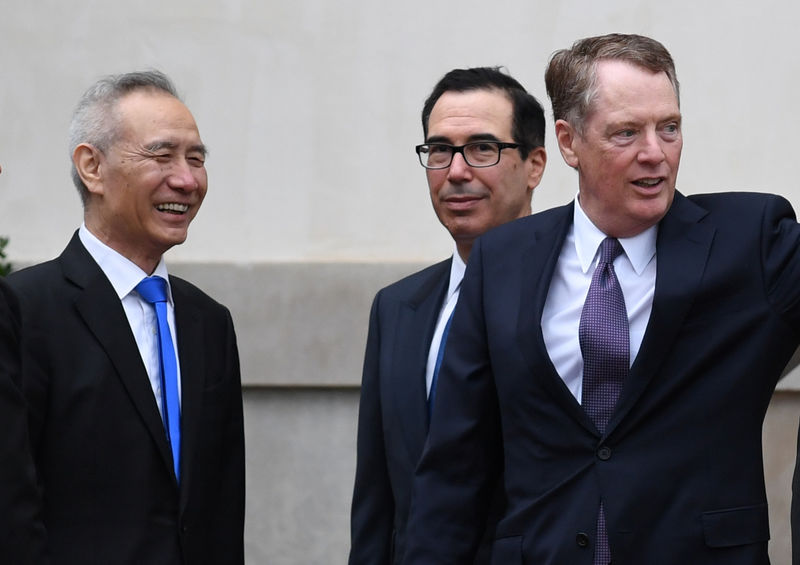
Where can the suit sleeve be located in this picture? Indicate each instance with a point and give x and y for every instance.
(22, 534)
(372, 512)
(463, 457)
(781, 256)
(232, 483)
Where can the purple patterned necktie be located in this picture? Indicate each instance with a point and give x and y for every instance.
(605, 346)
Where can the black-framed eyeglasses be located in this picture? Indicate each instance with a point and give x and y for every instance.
(475, 153)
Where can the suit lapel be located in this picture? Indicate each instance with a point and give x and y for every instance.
(101, 310)
(416, 320)
(539, 261)
(189, 327)
(682, 251)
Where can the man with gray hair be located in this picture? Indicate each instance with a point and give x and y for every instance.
(614, 356)
(132, 375)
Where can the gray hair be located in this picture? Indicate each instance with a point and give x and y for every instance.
(94, 120)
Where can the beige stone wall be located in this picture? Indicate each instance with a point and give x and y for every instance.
(311, 111)
(311, 108)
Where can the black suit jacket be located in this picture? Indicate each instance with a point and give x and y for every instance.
(22, 539)
(110, 494)
(679, 469)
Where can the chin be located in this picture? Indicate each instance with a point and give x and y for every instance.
(171, 240)
(462, 228)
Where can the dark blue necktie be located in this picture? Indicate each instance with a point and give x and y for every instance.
(438, 364)
(154, 291)
(605, 346)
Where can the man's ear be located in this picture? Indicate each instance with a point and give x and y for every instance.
(88, 161)
(538, 159)
(566, 137)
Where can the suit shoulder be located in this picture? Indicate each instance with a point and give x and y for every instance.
(411, 284)
(32, 280)
(744, 202)
(26, 275)
(545, 220)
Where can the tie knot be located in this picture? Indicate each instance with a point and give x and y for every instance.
(610, 249)
(153, 289)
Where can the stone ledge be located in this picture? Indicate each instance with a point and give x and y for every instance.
(305, 324)
(298, 324)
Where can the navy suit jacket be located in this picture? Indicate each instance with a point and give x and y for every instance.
(679, 469)
(105, 468)
(393, 414)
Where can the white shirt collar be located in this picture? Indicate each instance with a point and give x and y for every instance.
(457, 269)
(123, 273)
(639, 249)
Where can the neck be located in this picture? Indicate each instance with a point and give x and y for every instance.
(463, 250)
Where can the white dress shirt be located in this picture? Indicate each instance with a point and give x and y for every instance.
(124, 275)
(457, 268)
(636, 272)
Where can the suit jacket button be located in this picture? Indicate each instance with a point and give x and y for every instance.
(582, 539)
(604, 453)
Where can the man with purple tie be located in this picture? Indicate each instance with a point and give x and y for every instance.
(614, 357)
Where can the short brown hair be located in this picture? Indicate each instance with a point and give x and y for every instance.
(571, 75)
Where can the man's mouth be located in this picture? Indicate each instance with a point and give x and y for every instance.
(649, 182)
(173, 208)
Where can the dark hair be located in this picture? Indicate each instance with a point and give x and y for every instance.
(571, 75)
(527, 120)
(94, 120)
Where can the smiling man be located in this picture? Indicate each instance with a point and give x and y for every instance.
(614, 357)
(132, 375)
(483, 156)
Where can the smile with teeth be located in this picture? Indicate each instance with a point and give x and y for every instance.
(173, 207)
(648, 183)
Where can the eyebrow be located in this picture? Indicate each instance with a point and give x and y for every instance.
(159, 145)
(471, 138)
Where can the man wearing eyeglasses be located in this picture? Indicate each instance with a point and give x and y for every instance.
(484, 155)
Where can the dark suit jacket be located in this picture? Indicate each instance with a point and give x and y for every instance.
(679, 469)
(22, 536)
(110, 494)
(393, 413)
(393, 417)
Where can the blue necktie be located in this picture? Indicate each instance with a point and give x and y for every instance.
(438, 364)
(605, 345)
(154, 291)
